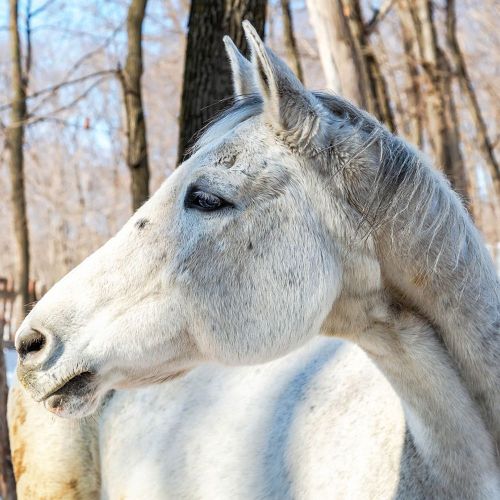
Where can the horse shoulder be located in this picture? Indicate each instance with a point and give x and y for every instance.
(286, 427)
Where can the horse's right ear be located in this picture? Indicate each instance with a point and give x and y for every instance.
(241, 67)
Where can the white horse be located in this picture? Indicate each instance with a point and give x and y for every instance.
(297, 214)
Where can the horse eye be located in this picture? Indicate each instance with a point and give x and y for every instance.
(201, 200)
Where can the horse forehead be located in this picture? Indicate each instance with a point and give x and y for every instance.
(248, 140)
(250, 156)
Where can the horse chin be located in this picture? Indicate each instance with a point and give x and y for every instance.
(78, 398)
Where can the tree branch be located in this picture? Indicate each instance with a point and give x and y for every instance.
(378, 15)
(28, 59)
(55, 88)
(42, 8)
(35, 119)
(82, 59)
(88, 55)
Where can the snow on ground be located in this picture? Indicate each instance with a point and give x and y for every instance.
(10, 362)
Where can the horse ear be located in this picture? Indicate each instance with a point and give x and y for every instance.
(292, 110)
(241, 68)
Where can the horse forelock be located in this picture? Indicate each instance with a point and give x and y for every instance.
(241, 110)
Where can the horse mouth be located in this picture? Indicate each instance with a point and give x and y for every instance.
(74, 396)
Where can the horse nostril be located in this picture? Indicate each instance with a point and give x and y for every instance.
(30, 343)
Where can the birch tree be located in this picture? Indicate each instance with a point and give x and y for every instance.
(344, 45)
(334, 49)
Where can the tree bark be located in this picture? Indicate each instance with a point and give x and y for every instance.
(334, 48)
(207, 75)
(441, 114)
(373, 86)
(15, 142)
(130, 77)
(415, 125)
(348, 59)
(291, 50)
(460, 68)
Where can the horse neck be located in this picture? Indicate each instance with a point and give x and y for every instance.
(432, 254)
(456, 456)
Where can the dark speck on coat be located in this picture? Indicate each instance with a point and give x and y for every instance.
(141, 223)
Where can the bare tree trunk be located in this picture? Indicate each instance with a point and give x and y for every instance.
(291, 50)
(460, 68)
(415, 126)
(334, 48)
(347, 57)
(7, 482)
(130, 77)
(441, 116)
(15, 142)
(207, 75)
(372, 83)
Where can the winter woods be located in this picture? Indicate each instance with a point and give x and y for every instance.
(101, 100)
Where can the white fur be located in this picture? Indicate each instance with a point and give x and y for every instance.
(280, 429)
